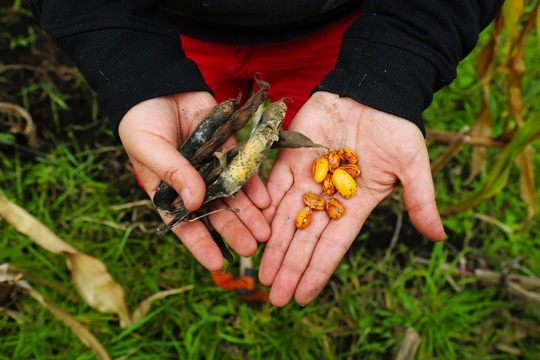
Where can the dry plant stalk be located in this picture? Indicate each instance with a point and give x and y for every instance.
(447, 137)
(19, 121)
(409, 346)
(484, 123)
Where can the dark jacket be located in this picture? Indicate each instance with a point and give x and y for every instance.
(394, 57)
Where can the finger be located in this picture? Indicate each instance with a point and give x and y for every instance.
(232, 230)
(283, 230)
(332, 245)
(241, 229)
(419, 198)
(297, 259)
(280, 180)
(250, 215)
(169, 165)
(199, 242)
(257, 192)
(334, 242)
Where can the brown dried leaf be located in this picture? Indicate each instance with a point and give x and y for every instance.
(19, 121)
(33, 228)
(484, 123)
(516, 63)
(97, 287)
(89, 275)
(8, 286)
(86, 337)
(482, 127)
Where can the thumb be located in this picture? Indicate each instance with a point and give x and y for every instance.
(419, 198)
(169, 165)
(156, 158)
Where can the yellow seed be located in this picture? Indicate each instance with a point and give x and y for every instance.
(348, 155)
(328, 185)
(344, 183)
(334, 209)
(313, 201)
(320, 169)
(303, 218)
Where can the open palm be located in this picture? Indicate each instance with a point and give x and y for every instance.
(391, 150)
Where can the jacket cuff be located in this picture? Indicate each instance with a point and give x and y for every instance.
(383, 77)
(127, 66)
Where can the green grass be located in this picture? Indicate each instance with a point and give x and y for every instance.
(74, 182)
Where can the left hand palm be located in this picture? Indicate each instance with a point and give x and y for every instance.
(391, 150)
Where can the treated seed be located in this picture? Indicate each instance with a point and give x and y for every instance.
(303, 218)
(352, 169)
(313, 201)
(348, 155)
(344, 183)
(328, 185)
(334, 209)
(320, 169)
(334, 161)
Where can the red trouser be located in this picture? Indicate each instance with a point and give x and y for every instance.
(293, 69)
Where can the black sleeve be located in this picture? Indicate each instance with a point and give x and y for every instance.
(123, 48)
(397, 54)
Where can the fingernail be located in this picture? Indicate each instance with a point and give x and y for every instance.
(187, 197)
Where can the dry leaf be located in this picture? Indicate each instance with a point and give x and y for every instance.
(8, 286)
(452, 150)
(86, 337)
(33, 228)
(19, 121)
(97, 287)
(446, 137)
(145, 305)
(90, 276)
(493, 221)
(525, 162)
(484, 123)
